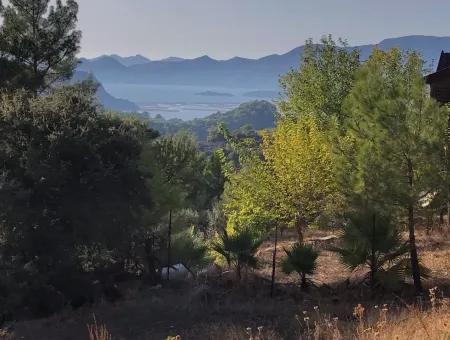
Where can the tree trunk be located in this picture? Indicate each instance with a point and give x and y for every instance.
(272, 285)
(169, 245)
(448, 167)
(300, 225)
(412, 237)
(304, 285)
(238, 271)
(373, 259)
(152, 261)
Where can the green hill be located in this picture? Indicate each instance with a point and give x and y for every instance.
(259, 114)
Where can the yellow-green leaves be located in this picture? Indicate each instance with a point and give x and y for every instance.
(296, 177)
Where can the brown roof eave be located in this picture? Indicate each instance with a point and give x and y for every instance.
(437, 76)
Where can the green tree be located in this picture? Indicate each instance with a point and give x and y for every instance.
(397, 129)
(322, 83)
(70, 184)
(301, 161)
(302, 260)
(373, 240)
(38, 43)
(176, 169)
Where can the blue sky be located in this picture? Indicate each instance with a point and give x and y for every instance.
(248, 28)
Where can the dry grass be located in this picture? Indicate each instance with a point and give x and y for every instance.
(219, 311)
(98, 332)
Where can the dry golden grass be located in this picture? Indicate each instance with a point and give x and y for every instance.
(218, 311)
(98, 332)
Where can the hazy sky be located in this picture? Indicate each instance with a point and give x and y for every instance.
(248, 28)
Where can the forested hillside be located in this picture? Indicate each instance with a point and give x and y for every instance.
(257, 115)
(325, 217)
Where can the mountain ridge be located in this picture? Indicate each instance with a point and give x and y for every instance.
(261, 73)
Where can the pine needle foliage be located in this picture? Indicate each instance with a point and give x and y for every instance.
(372, 240)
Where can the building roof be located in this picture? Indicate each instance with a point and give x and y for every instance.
(444, 61)
(442, 71)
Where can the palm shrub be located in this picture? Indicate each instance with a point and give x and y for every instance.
(302, 260)
(238, 249)
(372, 240)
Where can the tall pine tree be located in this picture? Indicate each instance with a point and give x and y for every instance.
(397, 128)
(38, 43)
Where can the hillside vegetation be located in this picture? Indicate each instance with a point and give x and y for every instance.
(330, 222)
(258, 115)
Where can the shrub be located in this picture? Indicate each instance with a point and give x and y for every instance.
(238, 249)
(302, 260)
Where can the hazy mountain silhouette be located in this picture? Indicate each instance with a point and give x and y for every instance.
(262, 73)
(108, 101)
(130, 61)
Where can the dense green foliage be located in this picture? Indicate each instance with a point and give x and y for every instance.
(398, 133)
(322, 83)
(257, 114)
(62, 160)
(38, 43)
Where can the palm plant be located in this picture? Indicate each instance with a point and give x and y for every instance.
(302, 260)
(371, 239)
(238, 249)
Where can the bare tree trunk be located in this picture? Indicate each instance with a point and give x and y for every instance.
(303, 285)
(412, 238)
(300, 225)
(373, 269)
(169, 245)
(272, 285)
(448, 167)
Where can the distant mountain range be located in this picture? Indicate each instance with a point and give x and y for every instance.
(262, 73)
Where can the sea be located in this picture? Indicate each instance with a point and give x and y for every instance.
(186, 102)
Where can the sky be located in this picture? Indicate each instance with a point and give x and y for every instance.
(248, 28)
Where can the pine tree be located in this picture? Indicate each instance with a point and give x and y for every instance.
(396, 127)
(38, 43)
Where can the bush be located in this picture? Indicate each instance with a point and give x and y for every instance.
(302, 260)
(238, 249)
(372, 240)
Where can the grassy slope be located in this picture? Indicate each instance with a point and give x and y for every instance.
(219, 309)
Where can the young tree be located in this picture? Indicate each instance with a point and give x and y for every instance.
(175, 166)
(302, 260)
(373, 240)
(301, 162)
(325, 78)
(38, 43)
(397, 128)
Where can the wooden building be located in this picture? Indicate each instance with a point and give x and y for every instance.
(439, 81)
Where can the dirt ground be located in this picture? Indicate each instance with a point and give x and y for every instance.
(220, 308)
